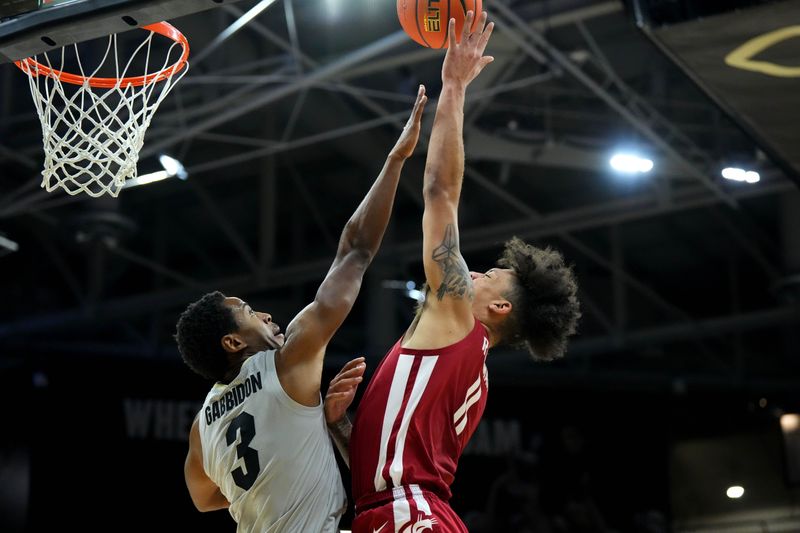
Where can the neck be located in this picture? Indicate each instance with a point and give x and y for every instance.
(494, 336)
(232, 373)
(237, 360)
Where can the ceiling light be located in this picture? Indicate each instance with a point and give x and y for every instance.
(409, 288)
(173, 167)
(334, 8)
(415, 294)
(7, 246)
(630, 163)
(735, 492)
(740, 174)
(790, 422)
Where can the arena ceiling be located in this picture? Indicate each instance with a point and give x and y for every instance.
(285, 118)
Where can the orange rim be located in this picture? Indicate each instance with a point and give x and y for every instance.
(34, 68)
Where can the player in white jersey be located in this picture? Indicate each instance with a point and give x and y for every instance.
(259, 446)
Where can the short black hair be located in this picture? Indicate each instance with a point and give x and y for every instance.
(545, 304)
(199, 334)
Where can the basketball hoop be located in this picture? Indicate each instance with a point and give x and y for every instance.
(93, 127)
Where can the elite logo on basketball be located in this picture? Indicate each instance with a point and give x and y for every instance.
(433, 21)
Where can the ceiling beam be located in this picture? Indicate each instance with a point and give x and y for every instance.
(647, 122)
(630, 209)
(248, 105)
(698, 329)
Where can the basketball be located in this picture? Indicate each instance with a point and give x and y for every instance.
(426, 21)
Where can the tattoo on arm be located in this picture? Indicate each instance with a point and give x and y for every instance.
(340, 432)
(456, 281)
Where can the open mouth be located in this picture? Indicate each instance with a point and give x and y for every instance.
(277, 340)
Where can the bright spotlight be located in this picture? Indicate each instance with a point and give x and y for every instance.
(630, 163)
(415, 294)
(735, 492)
(173, 167)
(334, 8)
(790, 422)
(409, 288)
(752, 176)
(740, 174)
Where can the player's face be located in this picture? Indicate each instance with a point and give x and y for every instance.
(256, 328)
(490, 288)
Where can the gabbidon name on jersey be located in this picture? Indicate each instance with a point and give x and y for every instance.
(232, 398)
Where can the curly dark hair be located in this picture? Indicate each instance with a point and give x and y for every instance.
(199, 332)
(545, 308)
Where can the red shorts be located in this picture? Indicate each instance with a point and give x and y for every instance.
(406, 509)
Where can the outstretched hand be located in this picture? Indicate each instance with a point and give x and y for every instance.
(342, 390)
(408, 139)
(465, 59)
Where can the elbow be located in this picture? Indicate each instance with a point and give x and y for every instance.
(210, 504)
(206, 496)
(362, 255)
(200, 504)
(354, 247)
(203, 508)
(435, 192)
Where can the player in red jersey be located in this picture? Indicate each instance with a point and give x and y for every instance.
(428, 393)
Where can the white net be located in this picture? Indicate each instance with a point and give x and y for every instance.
(93, 135)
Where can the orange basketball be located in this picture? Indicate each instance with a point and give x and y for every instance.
(426, 21)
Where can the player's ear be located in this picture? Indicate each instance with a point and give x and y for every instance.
(500, 307)
(233, 343)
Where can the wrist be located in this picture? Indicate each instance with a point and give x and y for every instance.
(454, 85)
(342, 423)
(395, 157)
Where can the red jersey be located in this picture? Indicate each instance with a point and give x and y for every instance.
(418, 413)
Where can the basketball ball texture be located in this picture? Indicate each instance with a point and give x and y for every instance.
(426, 21)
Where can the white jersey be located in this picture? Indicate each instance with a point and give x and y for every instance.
(270, 456)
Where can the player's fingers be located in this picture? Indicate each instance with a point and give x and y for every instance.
(357, 368)
(485, 60)
(336, 396)
(485, 37)
(355, 371)
(348, 383)
(345, 384)
(466, 31)
(352, 373)
(352, 364)
(416, 118)
(355, 361)
(481, 23)
(451, 33)
(347, 391)
(419, 105)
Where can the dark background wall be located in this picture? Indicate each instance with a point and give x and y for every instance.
(106, 442)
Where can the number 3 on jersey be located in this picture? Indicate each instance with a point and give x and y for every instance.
(245, 423)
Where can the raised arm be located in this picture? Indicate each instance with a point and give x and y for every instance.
(301, 357)
(448, 278)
